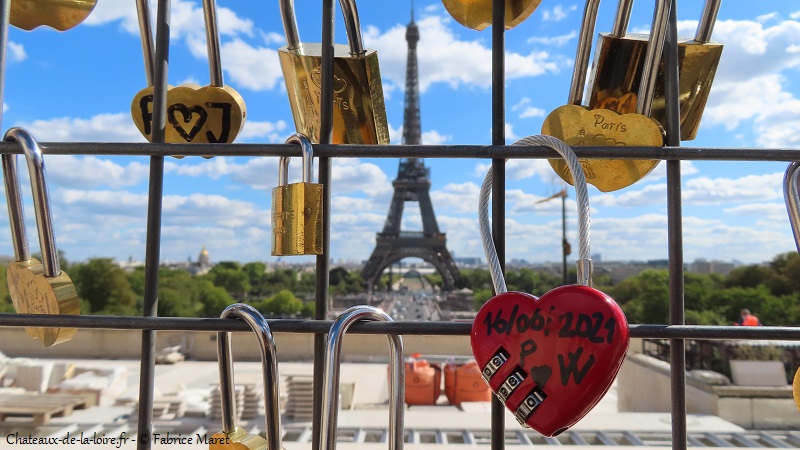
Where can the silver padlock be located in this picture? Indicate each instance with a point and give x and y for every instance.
(791, 193)
(330, 384)
(232, 434)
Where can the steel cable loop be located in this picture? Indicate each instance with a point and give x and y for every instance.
(584, 263)
(791, 195)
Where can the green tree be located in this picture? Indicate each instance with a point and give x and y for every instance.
(213, 298)
(645, 297)
(105, 287)
(178, 294)
(284, 303)
(233, 280)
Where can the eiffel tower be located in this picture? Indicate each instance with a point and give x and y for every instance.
(413, 184)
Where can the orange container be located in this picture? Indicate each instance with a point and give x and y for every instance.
(463, 383)
(423, 382)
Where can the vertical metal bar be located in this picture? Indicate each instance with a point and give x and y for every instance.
(146, 35)
(498, 178)
(5, 10)
(153, 243)
(675, 234)
(323, 261)
(13, 199)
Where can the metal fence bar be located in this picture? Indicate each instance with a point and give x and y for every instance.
(323, 261)
(675, 234)
(648, 331)
(668, 153)
(498, 409)
(153, 228)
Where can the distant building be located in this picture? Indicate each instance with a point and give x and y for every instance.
(704, 266)
(200, 267)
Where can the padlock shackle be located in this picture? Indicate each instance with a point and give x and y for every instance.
(622, 19)
(652, 58)
(307, 149)
(705, 27)
(330, 381)
(583, 53)
(269, 366)
(41, 198)
(146, 36)
(212, 42)
(16, 215)
(791, 193)
(352, 26)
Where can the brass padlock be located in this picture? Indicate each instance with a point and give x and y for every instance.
(330, 383)
(477, 14)
(619, 64)
(203, 115)
(359, 112)
(577, 125)
(233, 437)
(791, 194)
(297, 207)
(59, 14)
(34, 287)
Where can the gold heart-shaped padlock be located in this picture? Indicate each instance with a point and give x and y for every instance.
(477, 14)
(59, 14)
(213, 114)
(577, 125)
(204, 115)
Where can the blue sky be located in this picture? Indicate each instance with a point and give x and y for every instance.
(77, 86)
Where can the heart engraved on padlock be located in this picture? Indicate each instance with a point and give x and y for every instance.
(576, 125)
(551, 359)
(477, 14)
(204, 115)
(59, 14)
(36, 287)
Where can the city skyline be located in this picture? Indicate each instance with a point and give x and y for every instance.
(732, 211)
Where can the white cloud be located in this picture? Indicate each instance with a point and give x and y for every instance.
(272, 132)
(557, 41)
(703, 190)
(755, 56)
(449, 59)
(433, 137)
(558, 13)
(526, 110)
(90, 172)
(456, 197)
(16, 52)
(767, 17)
(111, 127)
(519, 169)
(255, 68)
(351, 175)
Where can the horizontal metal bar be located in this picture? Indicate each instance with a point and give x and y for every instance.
(409, 151)
(397, 327)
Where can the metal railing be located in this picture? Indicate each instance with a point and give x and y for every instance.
(498, 152)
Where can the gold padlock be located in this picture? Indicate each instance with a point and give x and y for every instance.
(34, 287)
(359, 112)
(577, 125)
(477, 14)
(619, 64)
(297, 207)
(233, 437)
(195, 114)
(59, 14)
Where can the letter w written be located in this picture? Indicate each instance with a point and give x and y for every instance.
(572, 367)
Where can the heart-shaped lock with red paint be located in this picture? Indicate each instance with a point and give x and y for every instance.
(551, 359)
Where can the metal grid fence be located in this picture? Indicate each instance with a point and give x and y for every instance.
(498, 152)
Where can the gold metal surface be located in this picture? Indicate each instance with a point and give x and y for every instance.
(359, 112)
(577, 126)
(796, 389)
(618, 68)
(297, 219)
(33, 293)
(238, 439)
(477, 14)
(195, 114)
(59, 14)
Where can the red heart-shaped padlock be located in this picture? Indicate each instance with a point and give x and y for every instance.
(550, 359)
